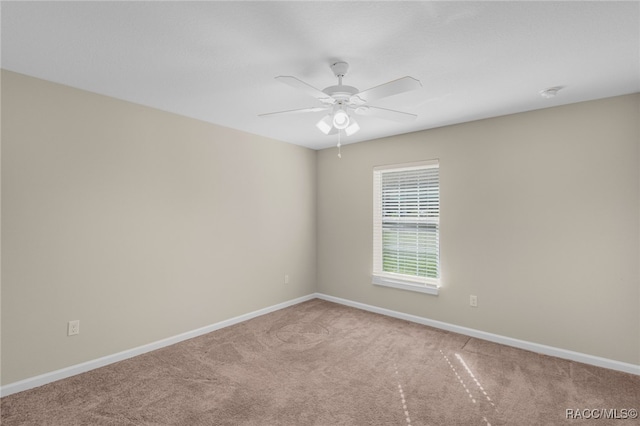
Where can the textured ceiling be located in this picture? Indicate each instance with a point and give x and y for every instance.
(216, 61)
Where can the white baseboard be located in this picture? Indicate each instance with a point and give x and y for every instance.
(63, 373)
(508, 341)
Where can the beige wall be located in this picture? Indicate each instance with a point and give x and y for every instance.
(139, 223)
(128, 219)
(539, 218)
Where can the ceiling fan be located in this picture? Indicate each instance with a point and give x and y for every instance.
(342, 102)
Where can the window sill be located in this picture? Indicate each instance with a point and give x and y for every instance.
(406, 285)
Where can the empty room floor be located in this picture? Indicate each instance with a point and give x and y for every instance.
(320, 363)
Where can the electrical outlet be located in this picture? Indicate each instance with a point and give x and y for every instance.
(473, 301)
(73, 328)
(286, 278)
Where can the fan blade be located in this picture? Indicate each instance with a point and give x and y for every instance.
(299, 84)
(388, 114)
(294, 111)
(391, 88)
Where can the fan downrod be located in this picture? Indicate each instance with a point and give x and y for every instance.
(340, 93)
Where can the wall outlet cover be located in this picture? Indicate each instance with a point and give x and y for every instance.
(73, 328)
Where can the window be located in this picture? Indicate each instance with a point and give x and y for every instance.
(406, 221)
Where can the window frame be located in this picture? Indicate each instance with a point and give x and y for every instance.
(397, 280)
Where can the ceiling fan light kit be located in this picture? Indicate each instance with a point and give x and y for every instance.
(325, 125)
(353, 127)
(343, 101)
(340, 119)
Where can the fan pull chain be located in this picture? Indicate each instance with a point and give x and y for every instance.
(339, 145)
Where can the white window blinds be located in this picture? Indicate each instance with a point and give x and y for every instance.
(406, 224)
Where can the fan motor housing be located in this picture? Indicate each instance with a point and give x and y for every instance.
(341, 93)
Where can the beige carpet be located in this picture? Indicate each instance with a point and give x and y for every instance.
(318, 363)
